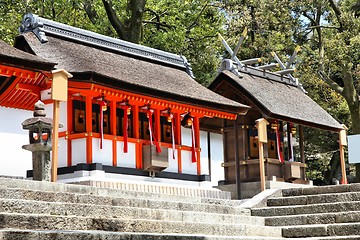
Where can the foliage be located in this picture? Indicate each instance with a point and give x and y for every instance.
(328, 32)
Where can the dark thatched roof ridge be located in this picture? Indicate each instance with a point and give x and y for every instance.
(17, 58)
(279, 101)
(127, 73)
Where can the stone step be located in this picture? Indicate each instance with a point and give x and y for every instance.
(354, 187)
(102, 191)
(306, 209)
(314, 199)
(121, 212)
(324, 218)
(321, 230)
(52, 222)
(161, 188)
(127, 201)
(100, 235)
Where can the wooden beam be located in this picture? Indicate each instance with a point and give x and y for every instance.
(136, 131)
(157, 125)
(55, 141)
(88, 128)
(141, 100)
(196, 123)
(301, 143)
(178, 139)
(8, 71)
(237, 160)
(113, 131)
(70, 129)
(342, 143)
(28, 87)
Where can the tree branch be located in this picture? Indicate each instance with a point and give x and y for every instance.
(312, 20)
(90, 12)
(114, 19)
(319, 26)
(159, 24)
(337, 14)
(331, 83)
(193, 24)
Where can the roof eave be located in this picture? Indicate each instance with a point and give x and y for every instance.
(26, 64)
(106, 82)
(266, 112)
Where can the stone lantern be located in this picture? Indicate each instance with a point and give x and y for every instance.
(40, 128)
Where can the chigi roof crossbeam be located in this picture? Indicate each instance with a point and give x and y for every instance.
(237, 66)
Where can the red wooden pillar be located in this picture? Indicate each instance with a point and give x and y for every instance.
(197, 143)
(69, 130)
(178, 139)
(88, 126)
(157, 125)
(136, 131)
(113, 123)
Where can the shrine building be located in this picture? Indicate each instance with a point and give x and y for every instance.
(283, 102)
(132, 113)
(22, 77)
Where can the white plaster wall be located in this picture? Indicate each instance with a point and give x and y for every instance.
(173, 163)
(126, 159)
(14, 161)
(186, 136)
(78, 151)
(204, 158)
(103, 155)
(188, 166)
(62, 162)
(217, 157)
(63, 114)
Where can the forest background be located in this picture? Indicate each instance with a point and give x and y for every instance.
(328, 32)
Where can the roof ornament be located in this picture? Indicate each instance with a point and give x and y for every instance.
(287, 70)
(235, 65)
(227, 64)
(188, 67)
(31, 23)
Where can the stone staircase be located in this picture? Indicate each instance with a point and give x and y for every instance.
(40, 210)
(331, 212)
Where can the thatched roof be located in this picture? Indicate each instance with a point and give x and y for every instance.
(278, 100)
(111, 62)
(17, 58)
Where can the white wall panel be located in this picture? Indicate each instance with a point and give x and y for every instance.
(186, 136)
(104, 155)
(217, 157)
(204, 158)
(126, 159)
(62, 152)
(188, 166)
(78, 151)
(14, 161)
(63, 116)
(173, 163)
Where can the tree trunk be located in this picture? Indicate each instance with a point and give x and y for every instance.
(355, 119)
(352, 98)
(130, 29)
(333, 173)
